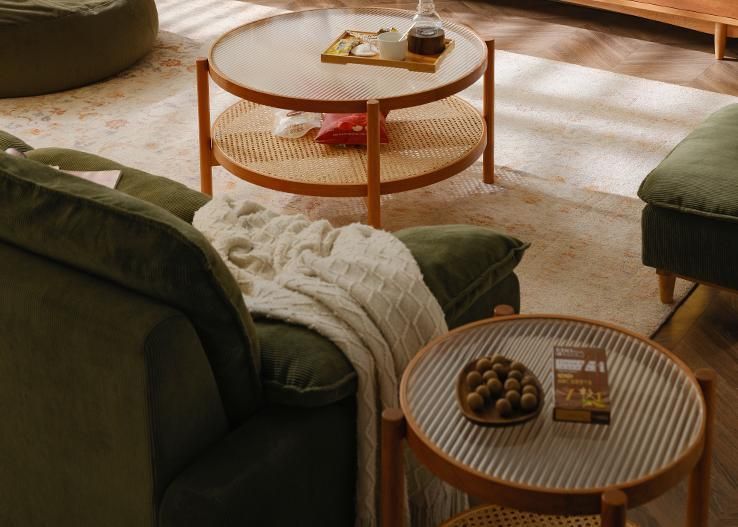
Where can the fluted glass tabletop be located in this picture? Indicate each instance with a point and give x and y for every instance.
(657, 411)
(280, 56)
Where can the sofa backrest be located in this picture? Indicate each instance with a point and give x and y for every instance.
(140, 247)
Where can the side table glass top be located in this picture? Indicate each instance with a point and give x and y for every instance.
(280, 56)
(657, 410)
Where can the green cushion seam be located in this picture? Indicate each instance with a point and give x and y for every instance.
(77, 13)
(150, 390)
(689, 210)
(316, 389)
(479, 286)
(249, 344)
(319, 396)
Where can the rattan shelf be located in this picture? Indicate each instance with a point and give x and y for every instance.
(496, 516)
(433, 135)
(427, 143)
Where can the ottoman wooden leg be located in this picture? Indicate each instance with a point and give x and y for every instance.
(614, 509)
(666, 286)
(699, 482)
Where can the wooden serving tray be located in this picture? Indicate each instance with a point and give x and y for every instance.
(412, 62)
(489, 415)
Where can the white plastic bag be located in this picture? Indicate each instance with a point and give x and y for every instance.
(292, 124)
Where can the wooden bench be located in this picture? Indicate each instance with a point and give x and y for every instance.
(718, 17)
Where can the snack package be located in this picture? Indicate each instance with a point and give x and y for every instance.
(292, 124)
(348, 129)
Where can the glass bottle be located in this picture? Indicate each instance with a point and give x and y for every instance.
(426, 36)
(426, 20)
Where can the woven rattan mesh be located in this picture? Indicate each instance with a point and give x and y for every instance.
(494, 516)
(657, 410)
(423, 139)
(281, 56)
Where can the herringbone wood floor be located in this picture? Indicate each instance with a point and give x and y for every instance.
(579, 35)
(704, 331)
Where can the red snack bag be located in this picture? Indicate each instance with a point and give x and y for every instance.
(348, 129)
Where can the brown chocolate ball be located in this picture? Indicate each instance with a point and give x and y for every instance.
(501, 371)
(475, 401)
(518, 366)
(515, 374)
(473, 379)
(484, 392)
(528, 380)
(484, 364)
(498, 359)
(528, 402)
(495, 387)
(514, 398)
(489, 374)
(512, 384)
(531, 388)
(503, 407)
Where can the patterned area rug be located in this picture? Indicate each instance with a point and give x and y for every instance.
(572, 145)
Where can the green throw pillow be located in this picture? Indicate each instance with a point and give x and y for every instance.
(175, 197)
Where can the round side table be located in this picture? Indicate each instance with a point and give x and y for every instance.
(661, 429)
(275, 62)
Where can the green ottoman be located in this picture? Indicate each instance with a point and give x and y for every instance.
(690, 222)
(54, 45)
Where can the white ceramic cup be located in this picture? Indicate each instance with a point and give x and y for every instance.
(392, 46)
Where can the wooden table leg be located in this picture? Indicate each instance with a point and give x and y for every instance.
(698, 500)
(503, 310)
(614, 509)
(721, 39)
(372, 164)
(203, 121)
(393, 476)
(488, 163)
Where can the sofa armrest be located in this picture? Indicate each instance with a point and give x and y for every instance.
(462, 265)
(105, 396)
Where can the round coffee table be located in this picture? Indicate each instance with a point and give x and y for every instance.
(276, 62)
(660, 431)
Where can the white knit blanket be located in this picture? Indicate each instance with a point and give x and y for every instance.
(359, 287)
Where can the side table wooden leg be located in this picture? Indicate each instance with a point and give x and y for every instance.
(488, 163)
(503, 310)
(372, 164)
(721, 39)
(203, 121)
(698, 501)
(614, 509)
(393, 476)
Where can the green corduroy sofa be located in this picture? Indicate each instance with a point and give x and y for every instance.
(690, 221)
(136, 390)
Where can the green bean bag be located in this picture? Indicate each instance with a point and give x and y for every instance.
(54, 45)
